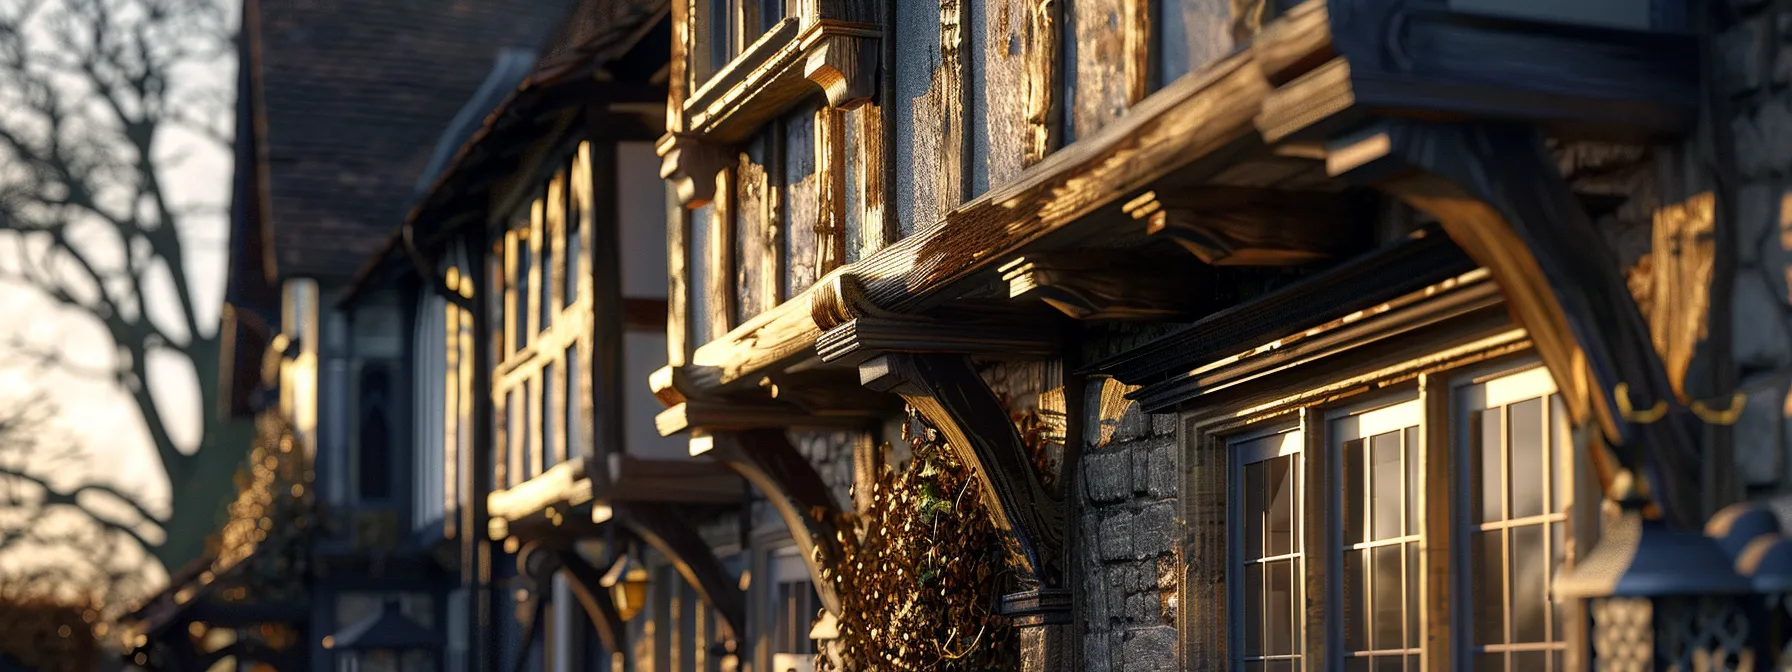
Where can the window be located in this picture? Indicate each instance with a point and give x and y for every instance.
(374, 461)
(740, 22)
(1517, 486)
(1268, 572)
(1500, 475)
(538, 377)
(1379, 532)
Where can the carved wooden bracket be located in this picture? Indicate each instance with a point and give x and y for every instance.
(1499, 196)
(690, 165)
(779, 70)
(1241, 226)
(661, 527)
(947, 391)
(586, 584)
(767, 460)
(1107, 285)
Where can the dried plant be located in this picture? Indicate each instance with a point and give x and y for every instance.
(920, 584)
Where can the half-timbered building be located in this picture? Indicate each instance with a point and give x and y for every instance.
(1110, 335)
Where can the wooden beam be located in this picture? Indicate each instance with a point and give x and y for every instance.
(662, 528)
(715, 414)
(947, 391)
(1242, 226)
(1358, 284)
(1190, 119)
(829, 390)
(790, 484)
(1109, 285)
(1576, 81)
(865, 337)
(586, 584)
(1498, 194)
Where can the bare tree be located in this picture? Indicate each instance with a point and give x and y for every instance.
(101, 104)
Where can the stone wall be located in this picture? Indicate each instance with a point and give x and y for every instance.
(1757, 59)
(1127, 568)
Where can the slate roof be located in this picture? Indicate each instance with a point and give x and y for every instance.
(354, 94)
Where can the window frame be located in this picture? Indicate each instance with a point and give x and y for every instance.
(1237, 461)
(1429, 376)
(532, 367)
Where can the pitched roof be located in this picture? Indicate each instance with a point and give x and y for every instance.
(354, 94)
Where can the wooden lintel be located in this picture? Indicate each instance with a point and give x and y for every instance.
(1243, 226)
(946, 390)
(586, 583)
(564, 483)
(790, 484)
(661, 527)
(734, 415)
(1499, 196)
(868, 336)
(1108, 285)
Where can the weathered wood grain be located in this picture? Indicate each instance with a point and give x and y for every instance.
(802, 191)
(868, 221)
(1002, 132)
(953, 178)
(867, 336)
(755, 254)
(719, 415)
(1043, 27)
(830, 190)
(1102, 75)
(1681, 258)
(719, 296)
(789, 63)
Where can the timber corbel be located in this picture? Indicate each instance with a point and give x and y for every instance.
(690, 165)
(660, 527)
(782, 68)
(586, 584)
(1498, 195)
(790, 484)
(1116, 285)
(946, 390)
(1243, 226)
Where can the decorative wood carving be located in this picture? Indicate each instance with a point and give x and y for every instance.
(767, 460)
(1682, 258)
(1107, 285)
(586, 584)
(867, 336)
(947, 391)
(690, 166)
(845, 67)
(1498, 195)
(727, 415)
(1238, 226)
(661, 527)
(785, 65)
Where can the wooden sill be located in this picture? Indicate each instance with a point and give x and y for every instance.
(784, 66)
(571, 484)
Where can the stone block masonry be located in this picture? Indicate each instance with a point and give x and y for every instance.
(1128, 535)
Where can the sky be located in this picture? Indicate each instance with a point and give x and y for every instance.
(95, 416)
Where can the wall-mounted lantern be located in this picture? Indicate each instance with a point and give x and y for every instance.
(387, 641)
(1661, 598)
(627, 583)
